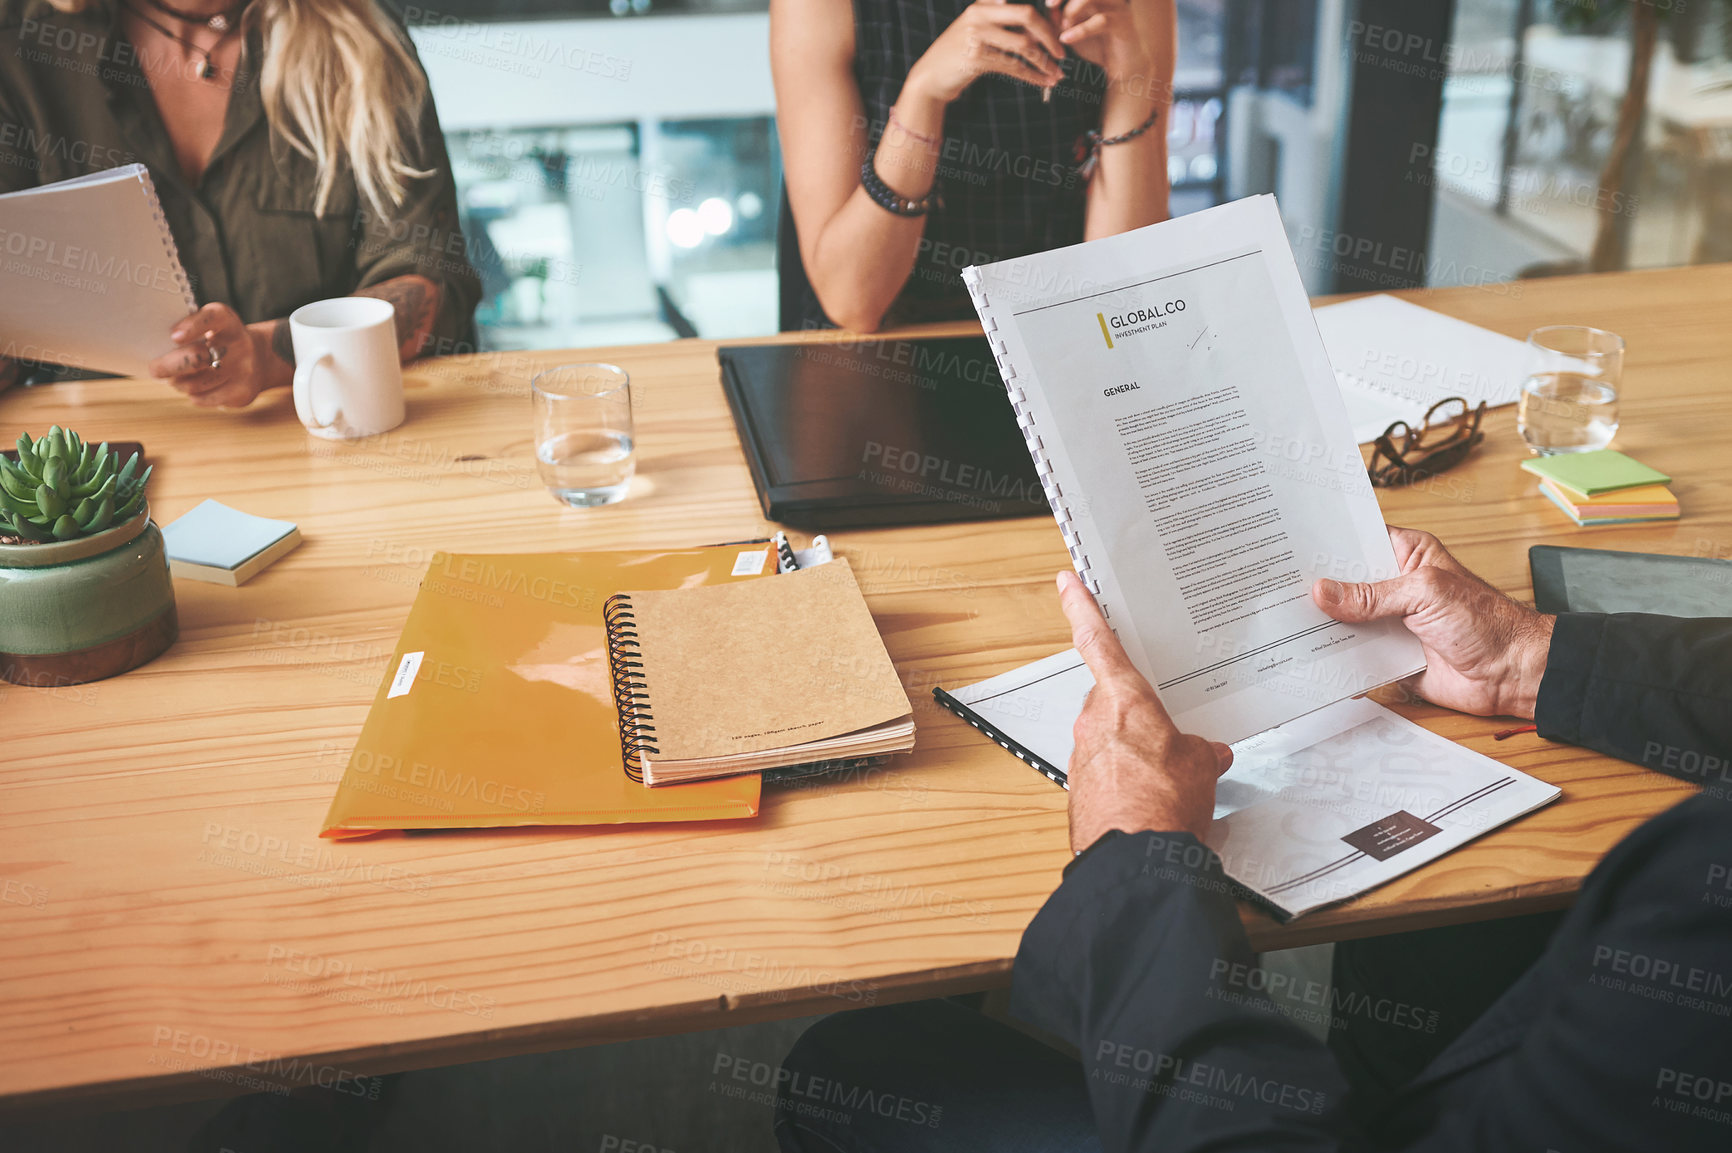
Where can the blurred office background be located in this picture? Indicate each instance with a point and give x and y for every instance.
(619, 171)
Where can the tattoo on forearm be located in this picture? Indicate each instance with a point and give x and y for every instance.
(283, 343)
(415, 300)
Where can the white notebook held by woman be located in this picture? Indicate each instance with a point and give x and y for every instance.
(1193, 444)
(90, 274)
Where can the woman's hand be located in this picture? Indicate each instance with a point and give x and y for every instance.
(1131, 768)
(1014, 40)
(217, 362)
(1103, 32)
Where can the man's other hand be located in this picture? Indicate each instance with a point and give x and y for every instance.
(1131, 769)
(1485, 654)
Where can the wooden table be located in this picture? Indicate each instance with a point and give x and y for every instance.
(172, 924)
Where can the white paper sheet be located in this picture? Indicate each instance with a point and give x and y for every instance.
(1197, 453)
(1395, 359)
(1281, 812)
(90, 276)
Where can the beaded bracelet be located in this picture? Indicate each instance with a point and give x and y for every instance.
(888, 198)
(1088, 148)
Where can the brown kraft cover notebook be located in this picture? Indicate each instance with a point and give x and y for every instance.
(709, 685)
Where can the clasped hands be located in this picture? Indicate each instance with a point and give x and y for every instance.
(1028, 42)
(1133, 770)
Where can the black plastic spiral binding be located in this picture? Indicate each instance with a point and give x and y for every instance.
(630, 693)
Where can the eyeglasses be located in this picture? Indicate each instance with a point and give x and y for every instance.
(1405, 453)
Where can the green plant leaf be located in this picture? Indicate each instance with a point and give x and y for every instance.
(66, 528)
(17, 505)
(49, 501)
(55, 476)
(20, 526)
(104, 514)
(102, 474)
(16, 481)
(132, 496)
(30, 467)
(129, 470)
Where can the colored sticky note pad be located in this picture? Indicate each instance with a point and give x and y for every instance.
(1587, 474)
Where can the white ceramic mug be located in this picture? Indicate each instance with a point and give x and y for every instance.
(348, 382)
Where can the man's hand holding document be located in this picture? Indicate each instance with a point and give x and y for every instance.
(1196, 451)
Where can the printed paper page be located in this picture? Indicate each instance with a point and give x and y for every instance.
(1351, 797)
(1198, 453)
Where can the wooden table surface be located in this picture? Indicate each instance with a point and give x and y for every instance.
(171, 922)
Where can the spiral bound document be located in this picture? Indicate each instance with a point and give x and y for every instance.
(702, 690)
(90, 273)
(1314, 812)
(1194, 447)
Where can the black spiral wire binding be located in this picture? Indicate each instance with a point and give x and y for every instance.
(630, 693)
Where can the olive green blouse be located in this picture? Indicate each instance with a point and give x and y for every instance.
(73, 100)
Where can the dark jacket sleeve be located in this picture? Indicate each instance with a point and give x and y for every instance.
(1626, 1020)
(1650, 689)
(1139, 960)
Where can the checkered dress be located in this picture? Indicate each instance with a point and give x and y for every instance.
(1007, 174)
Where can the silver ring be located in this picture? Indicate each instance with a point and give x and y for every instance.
(216, 355)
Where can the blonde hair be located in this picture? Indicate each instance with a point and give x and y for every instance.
(340, 86)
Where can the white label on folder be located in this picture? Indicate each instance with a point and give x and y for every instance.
(750, 563)
(405, 678)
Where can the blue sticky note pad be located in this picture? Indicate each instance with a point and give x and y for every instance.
(216, 535)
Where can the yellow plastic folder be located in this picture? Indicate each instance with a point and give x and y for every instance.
(498, 707)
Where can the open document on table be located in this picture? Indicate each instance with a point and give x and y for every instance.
(1314, 812)
(1188, 430)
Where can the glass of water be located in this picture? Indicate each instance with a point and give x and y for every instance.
(583, 432)
(1569, 402)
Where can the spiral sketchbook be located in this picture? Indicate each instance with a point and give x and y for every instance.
(1395, 359)
(91, 276)
(1196, 452)
(703, 690)
(498, 706)
(1319, 810)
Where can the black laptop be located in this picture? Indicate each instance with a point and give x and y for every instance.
(879, 432)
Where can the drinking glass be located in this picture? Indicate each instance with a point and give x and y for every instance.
(583, 433)
(1569, 402)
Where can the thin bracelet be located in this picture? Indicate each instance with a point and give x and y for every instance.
(1088, 149)
(931, 142)
(888, 198)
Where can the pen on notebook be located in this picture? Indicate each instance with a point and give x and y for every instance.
(1042, 7)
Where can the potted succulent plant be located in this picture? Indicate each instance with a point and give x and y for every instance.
(85, 591)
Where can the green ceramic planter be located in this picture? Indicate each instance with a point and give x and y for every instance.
(81, 610)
